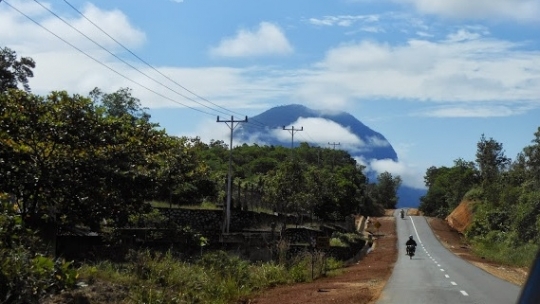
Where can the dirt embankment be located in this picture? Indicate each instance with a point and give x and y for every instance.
(461, 218)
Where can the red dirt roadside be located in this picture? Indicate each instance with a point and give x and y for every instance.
(360, 283)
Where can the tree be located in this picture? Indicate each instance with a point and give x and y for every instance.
(68, 159)
(386, 190)
(183, 177)
(286, 188)
(447, 187)
(531, 155)
(120, 103)
(490, 159)
(13, 71)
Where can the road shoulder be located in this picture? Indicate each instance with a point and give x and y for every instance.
(454, 242)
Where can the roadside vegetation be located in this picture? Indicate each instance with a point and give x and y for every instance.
(216, 277)
(99, 163)
(505, 196)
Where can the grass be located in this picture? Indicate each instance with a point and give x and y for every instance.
(216, 278)
(501, 252)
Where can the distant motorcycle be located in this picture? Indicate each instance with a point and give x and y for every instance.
(410, 251)
(402, 213)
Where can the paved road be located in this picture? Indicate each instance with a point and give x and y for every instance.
(435, 275)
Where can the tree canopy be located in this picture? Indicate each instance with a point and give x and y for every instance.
(14, 71)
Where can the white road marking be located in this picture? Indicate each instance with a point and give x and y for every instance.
(414, 226)
(463, 292)
(438, 265)
(453, 283)
(442, 269)
(446, 276)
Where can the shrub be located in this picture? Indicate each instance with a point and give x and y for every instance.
(25, 275)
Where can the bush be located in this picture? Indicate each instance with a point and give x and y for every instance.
(25, 275)
(501, 247)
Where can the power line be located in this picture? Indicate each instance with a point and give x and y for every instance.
(156, 70)
(253, 122)
(125, 62)
(145, 62)
(103, 64)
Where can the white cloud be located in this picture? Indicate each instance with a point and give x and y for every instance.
(344, 20)
(465, 73)
(520, 10)
(462, 35)
(411, 176)
(25, 36)
(267, 39)
(465, 68)
(378, 142)
(325, 130)
(475, 111)
(207, 130)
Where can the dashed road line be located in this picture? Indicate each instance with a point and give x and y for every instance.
(453, 283)
(446, 276)
(463, 292)
(442, 269)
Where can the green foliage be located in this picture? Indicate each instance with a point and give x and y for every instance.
(152, 219)
(385, 192)
(475, 194)
(447, 187)
(80, 162)
(501, 247)
(14, 71)
(215, 278)
(25, 275)
(337, 242)
(324, 182)
(506, 195)
(340, 239)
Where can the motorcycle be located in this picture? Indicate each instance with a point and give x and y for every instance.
(410, 251)
(402, 214)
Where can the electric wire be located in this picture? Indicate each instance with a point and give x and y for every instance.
(122, 60)
(151, 66)
(251, 122)
(101, 63)
(144, 61)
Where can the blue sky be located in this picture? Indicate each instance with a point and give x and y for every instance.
(431, 75)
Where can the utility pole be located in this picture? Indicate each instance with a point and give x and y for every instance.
(292, 131)
(231, 124)
(334, 154)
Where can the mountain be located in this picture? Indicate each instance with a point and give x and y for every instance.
(367, 144)
(373, 145)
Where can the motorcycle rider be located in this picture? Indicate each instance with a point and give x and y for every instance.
(402, 212)
(411, 242)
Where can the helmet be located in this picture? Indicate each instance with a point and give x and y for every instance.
(410, 237)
